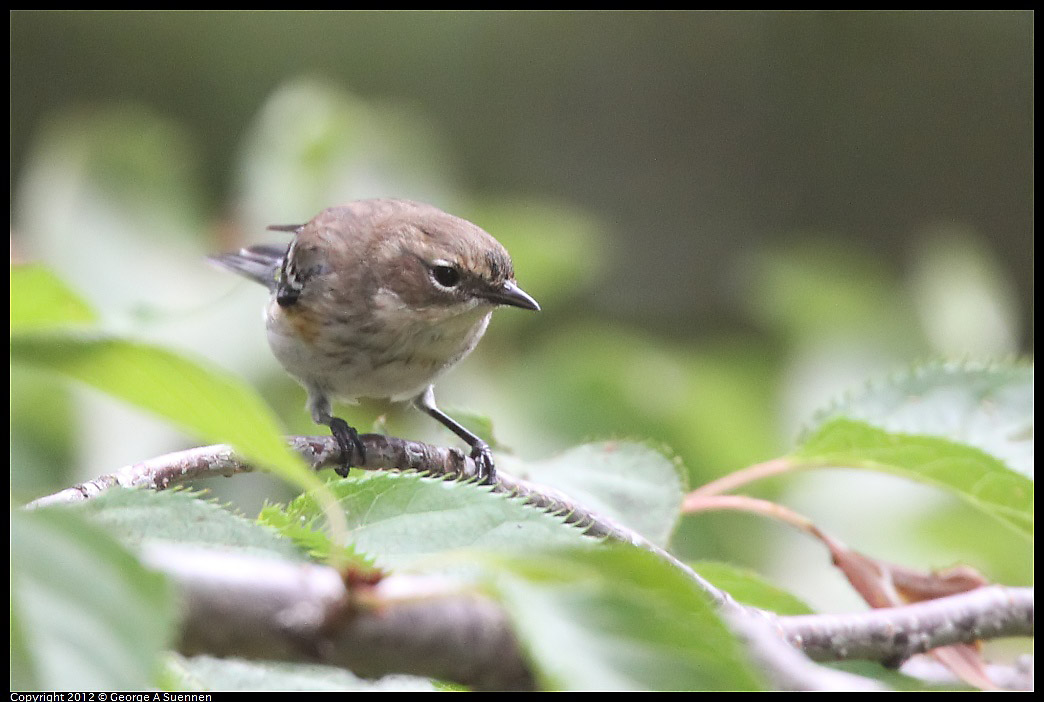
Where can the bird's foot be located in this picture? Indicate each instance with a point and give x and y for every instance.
(353, 453)
(483, 457)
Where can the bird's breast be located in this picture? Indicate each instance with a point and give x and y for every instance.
(396, 357)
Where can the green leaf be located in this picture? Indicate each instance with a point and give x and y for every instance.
(399, 518)
(179, 516)
(974, 476)
(967, 428)
(989, 407)
(750, 588)
(307, 534)
(631, 483)
(88, 615)
(616, 618)
(207, 673)
(39, 299)
(207, 402)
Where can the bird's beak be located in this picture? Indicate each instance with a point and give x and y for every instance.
(508, 293)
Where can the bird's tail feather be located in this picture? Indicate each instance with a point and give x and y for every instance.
(259, 263)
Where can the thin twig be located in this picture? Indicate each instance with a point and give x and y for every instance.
(382, 453)
(737, 478)
(751, 505)
(895, 633)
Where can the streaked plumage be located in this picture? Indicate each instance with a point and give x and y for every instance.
(378, 298)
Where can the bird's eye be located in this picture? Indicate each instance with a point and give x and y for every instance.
(446, 276)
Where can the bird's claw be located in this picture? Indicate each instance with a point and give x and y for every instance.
(352, 450)
(483, 458)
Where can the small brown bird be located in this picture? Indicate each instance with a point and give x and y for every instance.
(378, 298)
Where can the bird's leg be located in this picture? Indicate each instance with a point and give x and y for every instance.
(352, 450)
(480, 452)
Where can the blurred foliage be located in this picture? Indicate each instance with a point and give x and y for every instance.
(617, 619)
(987, 406)
(215, 407)
(184, 517)
(311, 144)
(632, 484)
(697, 136)
(85, 614)
(119, 219)
(227, 674)
(115, 200)
(750, 589)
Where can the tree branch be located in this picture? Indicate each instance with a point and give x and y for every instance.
(247, 606)
(382, 453)
(285, 611)
(896, 633)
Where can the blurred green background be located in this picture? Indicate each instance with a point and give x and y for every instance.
(728, 217)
